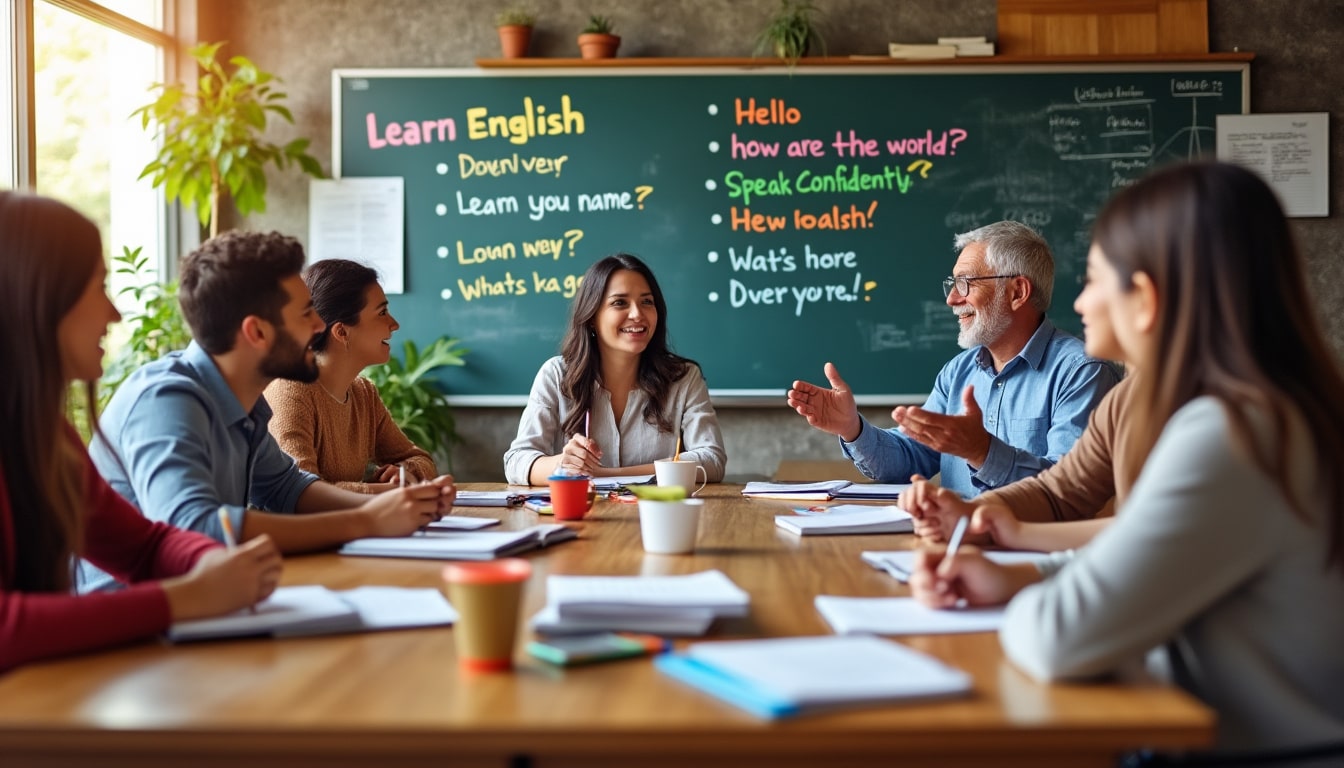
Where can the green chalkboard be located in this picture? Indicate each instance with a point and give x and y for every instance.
(791, 217)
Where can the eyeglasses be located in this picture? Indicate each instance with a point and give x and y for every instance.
(963, 284)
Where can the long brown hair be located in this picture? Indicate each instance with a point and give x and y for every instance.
(659, 367)
(1234, 318)
(48, 253)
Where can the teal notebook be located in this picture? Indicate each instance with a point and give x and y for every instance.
(782, 677)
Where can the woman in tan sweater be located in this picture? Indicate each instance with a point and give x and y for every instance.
(337, 427)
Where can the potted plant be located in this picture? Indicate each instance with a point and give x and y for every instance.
(210, 139)
(416, 400)
(515, 31)
(596, 40)
(790, 32)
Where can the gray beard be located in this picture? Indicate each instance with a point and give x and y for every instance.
(988, 324)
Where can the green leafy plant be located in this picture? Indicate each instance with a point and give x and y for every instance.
(210, 139)
(156, 330)
(515, 17)
(597, 25)
(416, 400)
(790, 32)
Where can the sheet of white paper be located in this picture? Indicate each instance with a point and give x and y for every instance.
(899, 563)
(707, 589)
(1291, 152)
(394, 607)
(902, 616)
(360, 219)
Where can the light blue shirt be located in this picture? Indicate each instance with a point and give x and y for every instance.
(1034, 409)
(187, 447)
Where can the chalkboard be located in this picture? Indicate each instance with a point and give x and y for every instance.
(790, 217)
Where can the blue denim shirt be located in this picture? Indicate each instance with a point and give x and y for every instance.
(187, 447)
(1035, 409)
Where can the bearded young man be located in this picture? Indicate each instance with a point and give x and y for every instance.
(1008, 407)
(185, 436)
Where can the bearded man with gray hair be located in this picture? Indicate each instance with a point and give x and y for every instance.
(1008, 407)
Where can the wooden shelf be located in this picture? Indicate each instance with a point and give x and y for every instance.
(863, 61)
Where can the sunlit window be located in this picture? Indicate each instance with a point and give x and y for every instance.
(8, 143)
(89, 78)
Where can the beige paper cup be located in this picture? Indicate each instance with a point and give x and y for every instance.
(488, 598)
(669, 527)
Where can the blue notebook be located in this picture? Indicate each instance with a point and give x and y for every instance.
(781, 677)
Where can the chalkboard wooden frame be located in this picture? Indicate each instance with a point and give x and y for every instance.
(868, 394)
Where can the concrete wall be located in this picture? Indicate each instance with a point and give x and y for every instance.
(1295, 70)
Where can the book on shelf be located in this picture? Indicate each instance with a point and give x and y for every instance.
(316, 610)
(921, 51)
(683, 604)
(781, 677)
(821, 491)
(899, 563)
(976, 45)
(462, 545)
(848, 519)
(902, 616)
(963, 40)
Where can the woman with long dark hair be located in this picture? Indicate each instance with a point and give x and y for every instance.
(1227, 556)
(54, 506)
(337, 427)
(616, 398)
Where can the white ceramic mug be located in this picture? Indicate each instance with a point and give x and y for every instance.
(683, 473)
(669, 527)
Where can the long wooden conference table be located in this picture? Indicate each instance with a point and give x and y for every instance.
(398, 698)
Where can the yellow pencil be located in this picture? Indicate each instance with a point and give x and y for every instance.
(676, 456)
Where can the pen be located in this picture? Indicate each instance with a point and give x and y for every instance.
(230, 540)
(401, 475)
(676, 456)
(586, 416)
(955, 541)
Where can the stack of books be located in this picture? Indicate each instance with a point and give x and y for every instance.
(664, 605)
(945, 48)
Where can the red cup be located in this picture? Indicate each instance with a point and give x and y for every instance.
(488, 597)
(571, 497)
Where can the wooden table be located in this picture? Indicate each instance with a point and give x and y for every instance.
(398, 698)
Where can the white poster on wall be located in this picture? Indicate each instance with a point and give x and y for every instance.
(1291, 152)
(360, 219)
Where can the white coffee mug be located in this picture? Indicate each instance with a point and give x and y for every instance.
(683, 473)
(669, 527)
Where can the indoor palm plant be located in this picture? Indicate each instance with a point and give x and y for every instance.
(211, 138)
(790, 31)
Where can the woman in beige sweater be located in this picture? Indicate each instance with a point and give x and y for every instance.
(337, 427)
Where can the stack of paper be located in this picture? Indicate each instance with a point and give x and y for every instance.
(450, 545)
(969, 46)
(461, 523)
(848, 518)
(488, 499)
(899, 563)
(788, 676)
(794, 491)
(671, 605)
(921, 51)
(316, 610)
(902, 616)
(617, 482)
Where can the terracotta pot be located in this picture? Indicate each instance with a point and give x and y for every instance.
(596, 45)
(514, 39)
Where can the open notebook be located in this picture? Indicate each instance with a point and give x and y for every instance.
(848, 518)
(460, 545)
(779, 677)
(316, 610)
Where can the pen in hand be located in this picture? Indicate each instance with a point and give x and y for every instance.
(401, 475)
(230, 540)
(953, 543)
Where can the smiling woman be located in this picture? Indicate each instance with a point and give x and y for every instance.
(616, 398)
(338, 427)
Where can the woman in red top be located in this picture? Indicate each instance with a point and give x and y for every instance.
(54, 507)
